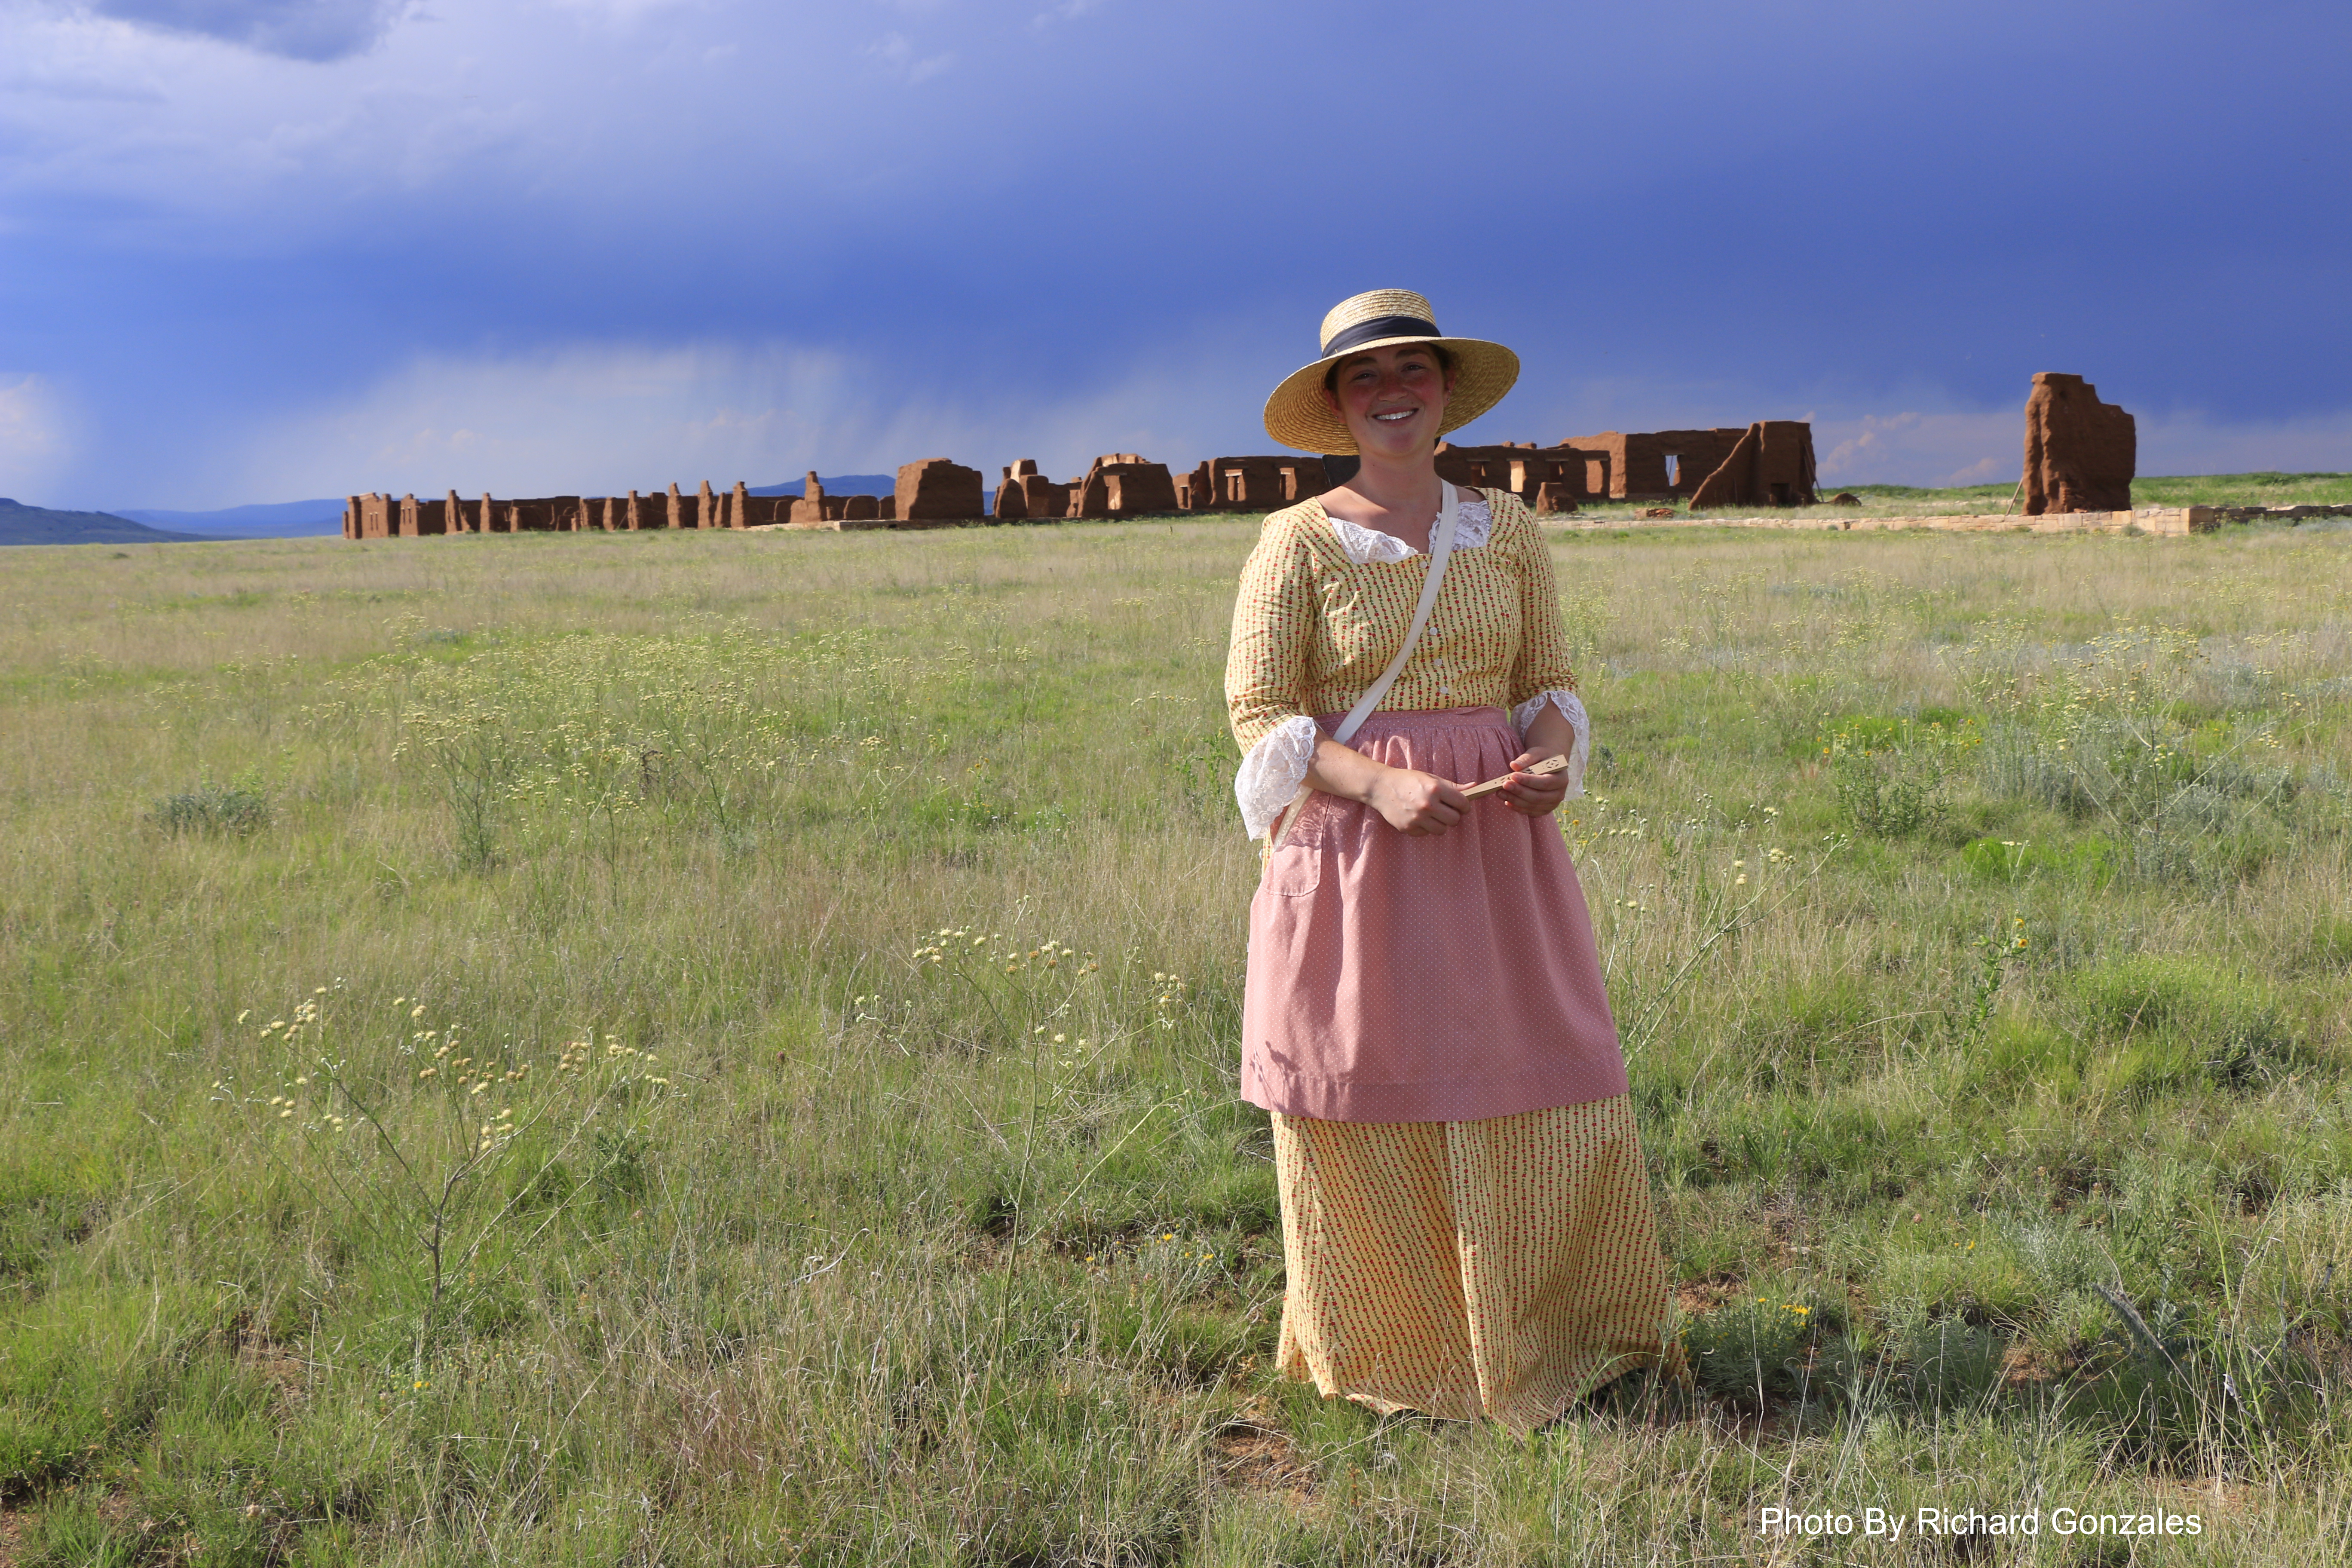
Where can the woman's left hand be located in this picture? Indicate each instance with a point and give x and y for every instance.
(1535, 794)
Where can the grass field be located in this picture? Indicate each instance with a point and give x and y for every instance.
(1904, 500)
(676, 1049)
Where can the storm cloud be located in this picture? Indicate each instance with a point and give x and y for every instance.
(296, 29)
(256, 247)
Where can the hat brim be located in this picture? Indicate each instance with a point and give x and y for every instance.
(1297, 416)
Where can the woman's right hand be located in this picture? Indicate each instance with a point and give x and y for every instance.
(1415, 802)
(1418, 804)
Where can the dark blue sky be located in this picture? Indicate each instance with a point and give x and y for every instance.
(257, 249)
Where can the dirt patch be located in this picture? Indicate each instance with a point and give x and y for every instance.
(12, 1538)
(2018, 1364)
(1697, 1298)
(1253, 1454)
(277, 1363)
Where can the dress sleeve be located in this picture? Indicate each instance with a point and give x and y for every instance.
(1274, 626)
(1542, 675)
(1580, 750)
(1266, 676)
(1542, 663)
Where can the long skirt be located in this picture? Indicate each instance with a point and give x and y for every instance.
(1501, 1267)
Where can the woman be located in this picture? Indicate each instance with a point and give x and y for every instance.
(1465, 1216)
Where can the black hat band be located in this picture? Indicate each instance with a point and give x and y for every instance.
(1377, 329)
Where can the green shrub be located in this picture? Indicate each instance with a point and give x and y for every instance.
(620, 1173)
(2094, 858)
(1810, 1031)
(70, 1533)
(39, 1210)
(1753, 1348)
(1950, 1363)
(2329, 945)
(1885, 799)
(212, 808)
(2017, 1050)
(1891, 773)
(2178, 1013)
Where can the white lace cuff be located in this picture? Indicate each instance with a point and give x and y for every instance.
(1571, 708)
(1270, 776)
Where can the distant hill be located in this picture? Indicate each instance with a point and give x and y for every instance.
(835, 485)
(22, 524)
(269, 520)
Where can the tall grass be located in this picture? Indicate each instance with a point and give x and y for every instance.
(722, 1050)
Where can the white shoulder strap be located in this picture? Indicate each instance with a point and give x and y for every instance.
(1441, 549)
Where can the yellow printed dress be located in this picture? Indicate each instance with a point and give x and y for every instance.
(1467, 1219)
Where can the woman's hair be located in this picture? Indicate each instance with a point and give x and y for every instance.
(1444, 365)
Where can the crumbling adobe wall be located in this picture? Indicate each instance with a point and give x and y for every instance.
(2080, 454)
(566, 514)
(938, 491)
(1123, 484)
(1247, 484)
(815, 509)
(1010, 502)
(758, 512)
(1672, 465)
(1250, 484)
(421, 518)
(1638, 466)
(1028, 494)
(808, 511)
(1196, 491)
(1524, 469)
(1771, 464)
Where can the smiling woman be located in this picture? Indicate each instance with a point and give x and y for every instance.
(1466, 1220)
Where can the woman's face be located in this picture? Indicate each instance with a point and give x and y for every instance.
(1393, 398)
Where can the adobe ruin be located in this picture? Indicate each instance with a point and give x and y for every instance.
(1250, 484)
(936, 493)
(2079, 453)
(1549, 479)
(1774, 468)
(1027, 493)
(1769, 464)
(809, 510)
(1123, 484)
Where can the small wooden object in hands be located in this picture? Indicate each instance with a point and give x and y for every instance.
(1549, 766)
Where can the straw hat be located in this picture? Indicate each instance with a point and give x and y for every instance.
(1297, 415)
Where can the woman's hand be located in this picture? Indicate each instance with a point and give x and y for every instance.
(1415, 802)
(1535, 794)
(1420, 804)
(1549, 734)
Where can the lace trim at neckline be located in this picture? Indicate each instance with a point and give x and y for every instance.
(1473, 522)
